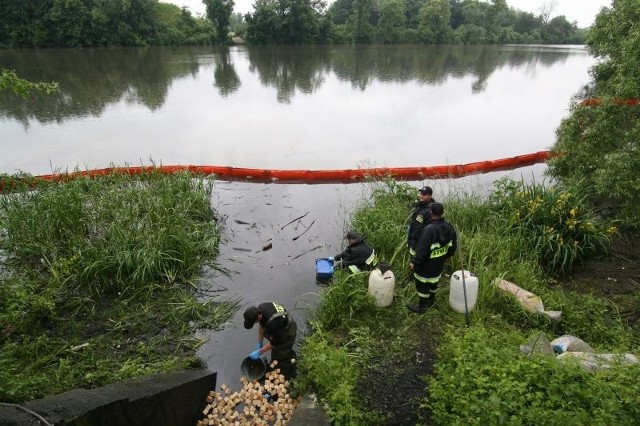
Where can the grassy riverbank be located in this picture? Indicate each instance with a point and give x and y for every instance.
(388, 366)
(99, 280)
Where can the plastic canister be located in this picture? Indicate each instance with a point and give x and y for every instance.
(457, 290)
(382, 284)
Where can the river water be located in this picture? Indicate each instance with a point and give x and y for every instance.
(287, 108)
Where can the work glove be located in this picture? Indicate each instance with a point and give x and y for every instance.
(258, 346)
(255, 355)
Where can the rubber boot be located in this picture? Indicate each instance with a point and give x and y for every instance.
(420, 307)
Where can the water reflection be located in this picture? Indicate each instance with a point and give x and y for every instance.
(290, 68)
(225, 76)
(92, 79)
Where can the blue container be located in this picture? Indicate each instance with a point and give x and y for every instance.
(324, 270)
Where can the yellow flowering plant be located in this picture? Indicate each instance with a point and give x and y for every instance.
(555, 219)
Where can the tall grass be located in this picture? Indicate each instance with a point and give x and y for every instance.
(111, 264)
(112, 234)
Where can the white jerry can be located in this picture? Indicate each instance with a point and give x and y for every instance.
(457, 290)
(382, 284)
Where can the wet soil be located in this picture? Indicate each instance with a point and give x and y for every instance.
(397, 393)
(616, 278)
(394, 386)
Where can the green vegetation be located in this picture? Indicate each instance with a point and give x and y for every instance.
(558, 226)
(597, 146)
(527, 234)
(23, 88)
(98, 23)
(405, 21)
(84, 23)
(480, 376)
(99, 279)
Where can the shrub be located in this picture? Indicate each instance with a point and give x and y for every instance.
(597, 150)
(482, 378)
(556, 220)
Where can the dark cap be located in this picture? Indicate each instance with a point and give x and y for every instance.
(437, 209)
(352, 235)
(426, 190)
(250, 317)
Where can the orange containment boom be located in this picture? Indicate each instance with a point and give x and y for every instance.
(317, 176)
(598, 101)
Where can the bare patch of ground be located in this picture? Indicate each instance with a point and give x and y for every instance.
(393, 386)
(616, 278)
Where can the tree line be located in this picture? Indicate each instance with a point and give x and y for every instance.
(405, 21)
(89, 23)
(100, 23)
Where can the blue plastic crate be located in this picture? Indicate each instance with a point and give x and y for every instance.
(324, 270)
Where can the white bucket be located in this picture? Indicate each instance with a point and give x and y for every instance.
(456, 291)
(381, 286)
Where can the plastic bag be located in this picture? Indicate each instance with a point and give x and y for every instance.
(569, 343)
(537, 344)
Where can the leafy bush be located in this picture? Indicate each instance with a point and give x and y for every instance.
(556, 220)
(597, 146)
(597, 151)
(482, 378)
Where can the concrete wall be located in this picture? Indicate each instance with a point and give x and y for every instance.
(171, 399)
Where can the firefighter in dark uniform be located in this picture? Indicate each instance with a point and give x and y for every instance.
(358, 256)
(419, 218)
(438, 242)
(280, 329)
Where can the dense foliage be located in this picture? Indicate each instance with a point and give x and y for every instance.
(445, 21)
(109, 265)
(82, 23)
(483, 379)
(76, 23)
(597, 146)
(287, 22)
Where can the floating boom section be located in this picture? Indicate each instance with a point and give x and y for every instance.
(314, 176)
(616, 101)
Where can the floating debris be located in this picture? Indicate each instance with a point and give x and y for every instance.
(306, 252)
(297, 218)
(295, 238)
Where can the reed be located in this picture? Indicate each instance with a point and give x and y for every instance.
(109, 266)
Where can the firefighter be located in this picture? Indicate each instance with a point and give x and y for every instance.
(438, 242)
(358, 256)
(419, 217)
(279, 328)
